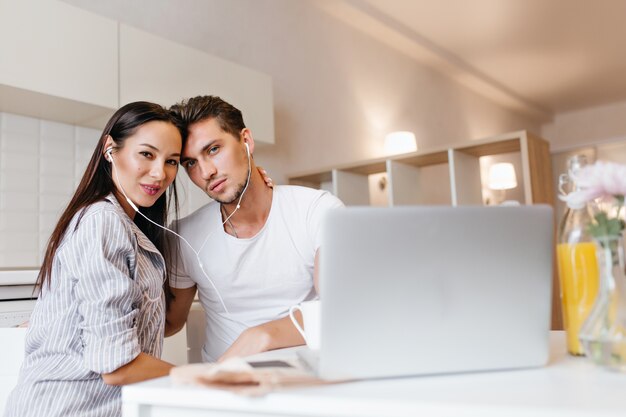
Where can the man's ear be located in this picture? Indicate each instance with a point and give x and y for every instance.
(246, 135)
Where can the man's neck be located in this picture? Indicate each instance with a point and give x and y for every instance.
(255, 208)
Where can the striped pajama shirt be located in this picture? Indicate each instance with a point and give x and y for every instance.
(104, 305)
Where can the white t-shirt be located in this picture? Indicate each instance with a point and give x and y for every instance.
(258, 278)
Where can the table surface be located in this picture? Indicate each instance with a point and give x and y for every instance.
(567, 386)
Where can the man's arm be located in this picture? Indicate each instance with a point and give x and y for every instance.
(178, 309)
(272, 335)
(275, 334)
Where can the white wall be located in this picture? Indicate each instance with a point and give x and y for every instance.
(336, 90)
(41, 164)
(591, 126)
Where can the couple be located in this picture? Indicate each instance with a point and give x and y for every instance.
(113, 281)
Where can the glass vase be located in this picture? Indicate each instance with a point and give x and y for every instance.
(603, 334)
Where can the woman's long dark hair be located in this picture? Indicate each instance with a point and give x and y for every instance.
(97, 183)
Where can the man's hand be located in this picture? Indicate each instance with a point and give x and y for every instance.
(275, 334)
(252, 340)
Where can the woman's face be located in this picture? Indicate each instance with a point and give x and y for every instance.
(146, 164)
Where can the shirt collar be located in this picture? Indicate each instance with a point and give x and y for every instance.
(142, 239)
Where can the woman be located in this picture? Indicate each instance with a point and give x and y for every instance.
(99, 320)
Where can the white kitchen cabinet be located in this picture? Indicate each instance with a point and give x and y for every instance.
(62, 63)
(57, 61)
(162, 71)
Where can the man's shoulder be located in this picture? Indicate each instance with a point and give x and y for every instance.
(305, 198)
(199, 215)
(300, 193)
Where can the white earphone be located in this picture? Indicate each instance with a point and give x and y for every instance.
(109, 157)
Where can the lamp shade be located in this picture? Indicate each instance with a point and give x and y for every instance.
(400, 142)
(502, 176)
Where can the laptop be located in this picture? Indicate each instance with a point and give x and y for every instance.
(433, 290)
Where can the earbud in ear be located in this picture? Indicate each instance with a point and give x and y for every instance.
(107, 153)
(247, 148)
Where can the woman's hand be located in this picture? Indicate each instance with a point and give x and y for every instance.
(266, 178)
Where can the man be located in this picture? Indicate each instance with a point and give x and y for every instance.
(255, 248)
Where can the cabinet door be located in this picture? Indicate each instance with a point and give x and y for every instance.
(158, 70)
(55, 49)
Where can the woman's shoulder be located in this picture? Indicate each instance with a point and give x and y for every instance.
(94, 224)
(100, 220)
(104, 210)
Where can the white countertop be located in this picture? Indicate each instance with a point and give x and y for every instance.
(568, 386)
(18, 276)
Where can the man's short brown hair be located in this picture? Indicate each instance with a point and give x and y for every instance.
(197, 109)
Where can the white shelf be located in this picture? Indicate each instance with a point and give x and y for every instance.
(352, 187)
(450, 175)
(465, 184)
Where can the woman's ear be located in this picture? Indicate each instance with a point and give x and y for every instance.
(108, 147)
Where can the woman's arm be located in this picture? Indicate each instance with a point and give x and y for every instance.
(139, 369)
(108, 300)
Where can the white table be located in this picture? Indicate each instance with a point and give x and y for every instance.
(568, 386)
(12, 341)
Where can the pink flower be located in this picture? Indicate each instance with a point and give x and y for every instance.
(602, 179)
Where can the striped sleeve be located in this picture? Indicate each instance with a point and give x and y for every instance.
(102, 248)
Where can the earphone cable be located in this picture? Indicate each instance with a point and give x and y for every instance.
(197, 253)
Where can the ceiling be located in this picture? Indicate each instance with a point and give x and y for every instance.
(539, 56)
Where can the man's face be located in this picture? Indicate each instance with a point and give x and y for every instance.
(215, 161)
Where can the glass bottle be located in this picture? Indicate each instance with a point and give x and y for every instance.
(576, 259)
(603, 334)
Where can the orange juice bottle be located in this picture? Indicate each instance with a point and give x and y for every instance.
(579, 276)
(576, 259)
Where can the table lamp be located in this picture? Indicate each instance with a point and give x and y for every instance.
(502, 177)
(400, 142)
